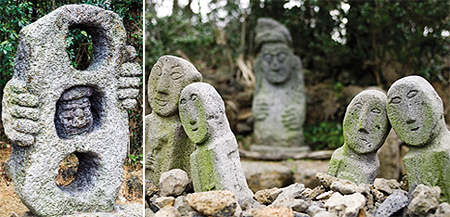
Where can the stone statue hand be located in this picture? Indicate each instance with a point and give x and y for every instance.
(150, 162)
(129, 80)
(260, 110)
(291, 119)
(20, 113)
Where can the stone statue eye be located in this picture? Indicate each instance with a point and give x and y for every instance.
(281, 57)
(156, 70)
(193, 97)
(358, 105)
(395, 100)
(183, 101)
(268, 58)
(376, 111)
(412, 93)
(176, 75)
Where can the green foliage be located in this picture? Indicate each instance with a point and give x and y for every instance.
(326, 135)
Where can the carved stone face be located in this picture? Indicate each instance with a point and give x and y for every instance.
(167, 78)
(277, 61)
(202, 111)
(365, 123)
(74, 111)
(414, 109)
(193, 116)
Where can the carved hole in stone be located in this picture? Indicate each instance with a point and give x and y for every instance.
(85, 176)
(78, 111)
(79, 48)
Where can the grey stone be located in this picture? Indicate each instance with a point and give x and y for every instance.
(365, 128)
(416, 113)
(348, 205)
(392, 204)
(344, 187)
(425, 200)
(173, 182)
(273, 212)
(90, 106)
(215, 164)
(214, 203)
(326, 180)
(166, 144)
(290, 192)
(163, 201)
(149, 212)
(266, 175)
(279, 102)
(182, 205)
(443, 210)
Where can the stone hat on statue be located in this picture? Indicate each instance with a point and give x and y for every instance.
(270, 30)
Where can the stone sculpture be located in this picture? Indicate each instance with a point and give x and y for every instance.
(166, 144)
(279, 99)
(365, 127)
(416, 113)
(52, 110)
(215, 164)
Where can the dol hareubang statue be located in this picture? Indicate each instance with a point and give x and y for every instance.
(279, 99)
(365, 127)
(52, 110)
(166, 144)
(416, 113)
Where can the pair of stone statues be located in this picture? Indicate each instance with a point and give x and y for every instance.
(416, 113)
(188, 130)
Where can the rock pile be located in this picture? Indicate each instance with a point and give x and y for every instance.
(333, 198)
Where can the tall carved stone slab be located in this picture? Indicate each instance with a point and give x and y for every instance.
(279, 103)
(365, 127)
(166, 144)
(51, 110)
(215, 164)
(416, 113)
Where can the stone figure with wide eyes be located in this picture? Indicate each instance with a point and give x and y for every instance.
(365, 127)
(278, 107)
(416, 113)
(215, 164)
(166, 144)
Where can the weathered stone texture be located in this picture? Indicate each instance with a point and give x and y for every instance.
(279, 103)
(166, 144)
(416, 113)
(215, 164)
(51, 110)
(365, 128)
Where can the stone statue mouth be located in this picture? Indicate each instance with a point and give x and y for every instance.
(161, 102)
(415, 129)
(194, 129)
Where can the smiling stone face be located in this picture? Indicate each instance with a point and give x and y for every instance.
(414, 109)
(193, 115)
(167, 78)
(365, 123)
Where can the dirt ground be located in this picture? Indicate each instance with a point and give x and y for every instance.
(131, 190)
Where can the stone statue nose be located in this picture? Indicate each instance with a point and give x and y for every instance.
(193, 122)
(363, 122)
(275, 64)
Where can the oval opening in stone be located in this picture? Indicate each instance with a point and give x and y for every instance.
(79, 48)
(67, 170)
(78, 111)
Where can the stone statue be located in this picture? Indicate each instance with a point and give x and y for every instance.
(365, 127)
(279, 99)
(52, 110)
(166, 144)
(215, 164)
(416, 113)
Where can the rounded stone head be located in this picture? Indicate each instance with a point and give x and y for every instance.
(168, 77)
(414, 110)
(366, 125)
(202, 111)
(277, 62)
